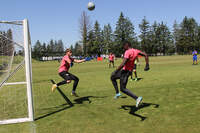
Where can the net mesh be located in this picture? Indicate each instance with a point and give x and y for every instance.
(13, 99)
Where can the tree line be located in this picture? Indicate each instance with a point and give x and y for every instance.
(155, 39)
(53, 48)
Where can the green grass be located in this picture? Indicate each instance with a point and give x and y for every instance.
(172, 84)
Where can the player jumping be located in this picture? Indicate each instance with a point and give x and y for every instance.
(125, 69)
(194, 53)
(111, 59)
(66, 63)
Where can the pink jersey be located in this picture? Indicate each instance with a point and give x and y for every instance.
(64, 65)
(131, 55)
(111, 57)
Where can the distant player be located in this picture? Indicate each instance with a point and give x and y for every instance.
(111, 58)
(134, 69)
(124, 70)
(194, 53)
(66, 63)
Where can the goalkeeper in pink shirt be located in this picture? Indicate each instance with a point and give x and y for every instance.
(66, 64)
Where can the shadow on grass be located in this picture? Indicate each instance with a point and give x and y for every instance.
(123, 97)
(53, 112)
(138, 79)
(66, 105)
(133, 109)
(57, 108)
(86, 98)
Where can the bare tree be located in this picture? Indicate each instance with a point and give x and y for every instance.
(85, 27)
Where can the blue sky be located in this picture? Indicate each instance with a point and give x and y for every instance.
(59, 19)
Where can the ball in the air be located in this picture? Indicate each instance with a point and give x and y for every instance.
(91, 6)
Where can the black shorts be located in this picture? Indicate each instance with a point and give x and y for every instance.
(111, 61)
(67, 76)
(123, 75)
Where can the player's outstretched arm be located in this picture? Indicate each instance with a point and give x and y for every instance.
(79, 61)
(146, 60)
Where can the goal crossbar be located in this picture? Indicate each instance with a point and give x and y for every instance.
(12, 22)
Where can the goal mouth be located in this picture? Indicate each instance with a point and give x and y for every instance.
(15, 72)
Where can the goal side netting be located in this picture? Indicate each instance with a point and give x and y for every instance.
(16, 102)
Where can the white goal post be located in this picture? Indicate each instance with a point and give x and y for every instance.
(28, 72)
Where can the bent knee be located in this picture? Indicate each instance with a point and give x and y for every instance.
(77, 79)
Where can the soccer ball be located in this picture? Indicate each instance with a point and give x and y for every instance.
(91, 6)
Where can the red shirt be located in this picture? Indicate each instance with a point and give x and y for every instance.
(64, 65)
(111, 57)
(131, 55)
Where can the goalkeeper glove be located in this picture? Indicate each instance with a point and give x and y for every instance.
(87, 58)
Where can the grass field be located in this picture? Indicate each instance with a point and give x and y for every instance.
(171, 104)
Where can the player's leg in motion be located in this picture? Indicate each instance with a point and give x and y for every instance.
(76, 80)
(196, 60)
(114, 82)
(131, 76)
(67, 79)
(113, 64)
(193, 60)
(109, 63)
(123, 82)
(135, 72)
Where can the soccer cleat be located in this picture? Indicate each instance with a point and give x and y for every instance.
(117, 95)
(138, 101)
(74, 94)
(54, 86)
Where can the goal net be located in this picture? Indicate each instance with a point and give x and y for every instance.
(16, 103)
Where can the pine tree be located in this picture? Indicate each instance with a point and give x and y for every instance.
(85, 27)
(176, 29)
(60, 47)
(37, 50)
(98, 41)
(124, 31)
(44, 49)
(145, 33)
(187, 35)
(78, 49)
(165, 38)
(90, 44)
(51, 47)
(107, 39)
